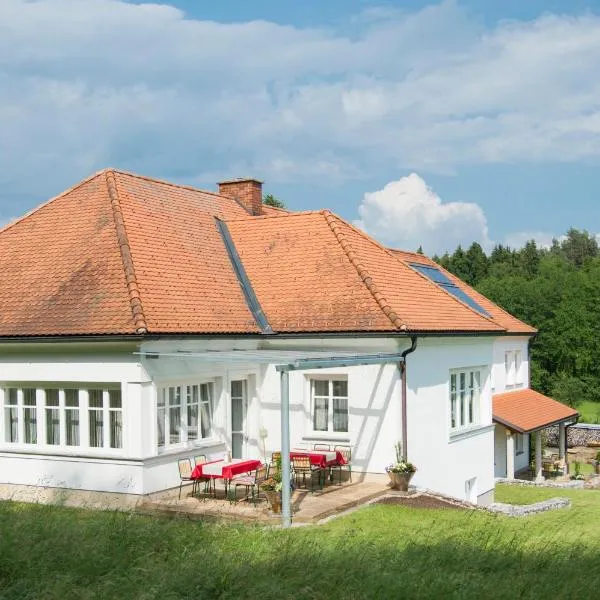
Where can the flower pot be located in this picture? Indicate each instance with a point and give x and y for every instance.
(400, 481)
(274, 500)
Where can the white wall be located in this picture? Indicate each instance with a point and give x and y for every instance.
(521, 459)
(445, 463)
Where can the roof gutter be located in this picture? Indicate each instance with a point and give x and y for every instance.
(402, 367)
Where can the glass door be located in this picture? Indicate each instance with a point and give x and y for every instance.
(239, 404)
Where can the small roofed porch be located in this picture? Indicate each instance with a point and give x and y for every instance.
(526, 412)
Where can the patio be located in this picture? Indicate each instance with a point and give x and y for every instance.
(307, 506)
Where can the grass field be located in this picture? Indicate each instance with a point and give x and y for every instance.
(590, 412)
(376, 552)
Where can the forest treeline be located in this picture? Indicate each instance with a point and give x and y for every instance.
(557, 290)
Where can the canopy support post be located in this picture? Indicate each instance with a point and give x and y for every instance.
(286, 512)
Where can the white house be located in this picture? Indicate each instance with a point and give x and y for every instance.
(143, 321)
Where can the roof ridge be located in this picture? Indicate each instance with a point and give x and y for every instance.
(132, 286)
(381, 300)
(44, 204)
(165, 182)
(296, 213)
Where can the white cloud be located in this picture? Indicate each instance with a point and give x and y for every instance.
(407, 214)
(143, 87)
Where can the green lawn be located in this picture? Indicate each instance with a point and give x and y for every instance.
(590, 412)
(377, 552)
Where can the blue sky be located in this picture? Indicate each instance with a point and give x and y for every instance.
(423, 123)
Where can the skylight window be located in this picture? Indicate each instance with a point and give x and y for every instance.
(443, 281)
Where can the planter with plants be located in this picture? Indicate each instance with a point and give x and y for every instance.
(596, 463)
(578, 475)
(400, 472)
(272, 488)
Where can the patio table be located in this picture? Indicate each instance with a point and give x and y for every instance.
(321, 458)
(226, 470)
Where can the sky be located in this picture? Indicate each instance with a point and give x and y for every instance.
(426, 124)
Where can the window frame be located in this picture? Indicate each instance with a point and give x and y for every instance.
(474, 382)
(54, 415)
(331, 397)
(164, 414)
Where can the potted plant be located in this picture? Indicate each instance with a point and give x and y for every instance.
(272, 488)
(400, 472)
(578, 475)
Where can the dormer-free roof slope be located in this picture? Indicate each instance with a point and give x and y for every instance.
(125, 254)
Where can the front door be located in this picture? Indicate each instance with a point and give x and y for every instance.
(239, 405)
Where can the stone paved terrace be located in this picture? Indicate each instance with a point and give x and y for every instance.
(307, 507)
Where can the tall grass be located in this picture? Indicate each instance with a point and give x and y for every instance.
(378, 552)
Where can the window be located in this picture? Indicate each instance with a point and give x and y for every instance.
(184, 412)
(115, 412)
(465, 392)
(513, 366)
(51, 416)
(72, 417)
(443, 281)
(518, 368)
(519, 443)
(96, 418)
(509, 368)
(329, 405)
(30, 416)
(11, 421)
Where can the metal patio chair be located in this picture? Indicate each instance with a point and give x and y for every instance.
(303, 468)
(346, 452)
(251, 482)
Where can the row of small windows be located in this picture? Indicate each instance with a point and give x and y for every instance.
(55, 417)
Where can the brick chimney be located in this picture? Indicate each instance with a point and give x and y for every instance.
(248, 192)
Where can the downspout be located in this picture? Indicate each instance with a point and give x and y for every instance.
(402, 367)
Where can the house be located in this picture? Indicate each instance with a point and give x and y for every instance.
(143, 321)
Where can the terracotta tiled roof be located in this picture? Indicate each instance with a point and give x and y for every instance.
(125, 254)
(527, 410)
(314, 271)
(500, 316)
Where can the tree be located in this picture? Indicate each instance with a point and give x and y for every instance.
(477, 264)
(530, 259)
(420, 250)
(270, 200)
(579, 246)
(459, 264)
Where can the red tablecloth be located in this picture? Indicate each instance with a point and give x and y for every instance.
(229, 470)
(319, 459)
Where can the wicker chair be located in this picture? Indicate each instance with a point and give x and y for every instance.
(346, 452)
(325, 447)
(251, 482)
(302, 467)
(200, 459)
(185, 474)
